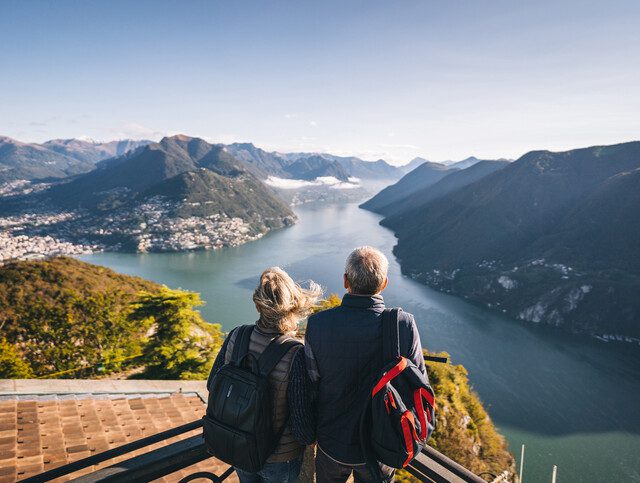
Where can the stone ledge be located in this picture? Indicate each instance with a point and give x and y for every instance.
(24, 387)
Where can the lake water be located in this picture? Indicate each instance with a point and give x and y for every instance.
(574, 402)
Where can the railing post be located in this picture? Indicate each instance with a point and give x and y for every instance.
(521, 462)
(554, 474)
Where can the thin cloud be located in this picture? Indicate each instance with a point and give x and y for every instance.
(326, 181)
(401, 146)
(133, 130)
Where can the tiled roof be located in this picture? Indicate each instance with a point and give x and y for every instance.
(39, 432)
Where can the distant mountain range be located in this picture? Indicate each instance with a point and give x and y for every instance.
(61, 158)
(550, 238)
(93, 151)
(189, 171)
(435, 187)
(308, 166)
(463, 164)
(413, 164)
(424, 175)
(58, 158)
(179, 194)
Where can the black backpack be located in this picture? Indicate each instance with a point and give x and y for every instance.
(400, 413)
(238, 425)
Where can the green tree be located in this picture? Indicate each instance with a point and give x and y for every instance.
(331, 301)
(182, 345)
(78, 332)
(12, 366)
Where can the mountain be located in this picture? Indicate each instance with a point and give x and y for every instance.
(118, 180)
(356, 167)
(604, 227)
(92, 151)
(464, 164)
(61, 158)
(368, 170)
(316, 166)
(551, 238)
(263, 162)
(413, 164)
(31, 161)
(422, 177)
(58, 158)
(203, 193)
(456, 179)
(179, 194)
(309, 166)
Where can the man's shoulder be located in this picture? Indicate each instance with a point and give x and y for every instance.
(320, 321)
(405, 317)
(406, 320)
(324, 315)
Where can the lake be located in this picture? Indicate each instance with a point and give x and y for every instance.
(573, 401)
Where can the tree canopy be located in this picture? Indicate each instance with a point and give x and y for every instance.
(182, 345)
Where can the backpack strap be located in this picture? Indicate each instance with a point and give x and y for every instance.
(390, 335)
(274, 352)
(241, 344)
(269, 358)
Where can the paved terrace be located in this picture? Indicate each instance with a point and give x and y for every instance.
(48, 423)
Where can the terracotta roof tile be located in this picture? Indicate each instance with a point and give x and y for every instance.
(44, 432)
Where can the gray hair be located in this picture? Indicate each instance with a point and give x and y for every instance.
(366, 270)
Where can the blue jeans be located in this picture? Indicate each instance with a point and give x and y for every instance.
(286, 472)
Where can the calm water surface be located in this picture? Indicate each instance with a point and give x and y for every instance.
(573, 402)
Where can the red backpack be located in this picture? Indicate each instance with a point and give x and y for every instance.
(400, 414)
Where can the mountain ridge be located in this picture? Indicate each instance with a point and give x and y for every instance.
(55, 159)
(456, 179)
(65, 157)
(285, 165)
(534, 239)
(421, 177)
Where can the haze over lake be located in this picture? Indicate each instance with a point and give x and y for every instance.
(569, 399)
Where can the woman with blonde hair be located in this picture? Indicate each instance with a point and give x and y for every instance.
(281, 304)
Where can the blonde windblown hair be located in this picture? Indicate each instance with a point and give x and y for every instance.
(281, 302)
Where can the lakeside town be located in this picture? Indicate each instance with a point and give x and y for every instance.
(152, 226)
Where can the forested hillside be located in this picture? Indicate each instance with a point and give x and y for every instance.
(551, 238)
(422, 177)
(408, 206)
(67, 318)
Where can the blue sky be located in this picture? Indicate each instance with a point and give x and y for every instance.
(392, 79)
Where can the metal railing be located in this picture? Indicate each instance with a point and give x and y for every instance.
(430, 465)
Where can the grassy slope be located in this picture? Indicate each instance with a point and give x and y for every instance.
(62, 313)
(464, 430)
(22, 281)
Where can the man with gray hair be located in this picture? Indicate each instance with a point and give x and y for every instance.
(343, 349)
